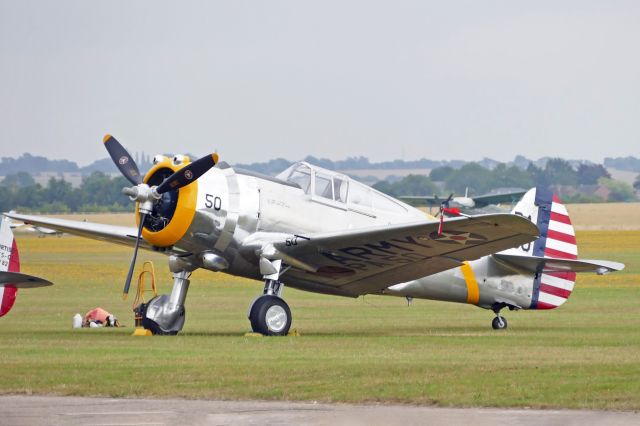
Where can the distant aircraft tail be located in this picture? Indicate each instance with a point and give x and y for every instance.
(9, 262)
(553, 257)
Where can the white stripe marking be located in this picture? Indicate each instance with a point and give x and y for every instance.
(551, 299)
(559, 208)
(554, 225)
(562, 246)
(557, 282)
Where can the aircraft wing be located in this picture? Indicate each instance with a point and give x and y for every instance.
(504, 197)
(546, 264)
(18, 280)
(97, 231)
(368, 260)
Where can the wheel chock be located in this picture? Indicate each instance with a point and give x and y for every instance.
(139, 331)
(293, 333)
(252, 335)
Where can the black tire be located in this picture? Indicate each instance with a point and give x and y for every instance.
(155, 328)
(499, 325)
(272, 307)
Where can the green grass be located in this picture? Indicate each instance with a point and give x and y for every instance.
(374, 349)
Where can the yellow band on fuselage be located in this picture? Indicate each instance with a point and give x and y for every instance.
(473, 292)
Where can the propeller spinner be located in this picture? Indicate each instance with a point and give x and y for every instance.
(444, 206)
(148, 195)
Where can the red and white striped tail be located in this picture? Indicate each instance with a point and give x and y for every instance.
(557, 240)
(9, 262)
(554, 288)
(561, 237)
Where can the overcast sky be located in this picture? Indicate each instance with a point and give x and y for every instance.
(264, 79)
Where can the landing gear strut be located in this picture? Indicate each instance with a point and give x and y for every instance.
(165, 314)
(269, 314)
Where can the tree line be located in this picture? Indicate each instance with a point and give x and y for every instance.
(479, 180)
(97, 193)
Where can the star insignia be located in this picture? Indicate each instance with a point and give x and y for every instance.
(457, 237)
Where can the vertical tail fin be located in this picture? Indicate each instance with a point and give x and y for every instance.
(9, 262)
(557, 240)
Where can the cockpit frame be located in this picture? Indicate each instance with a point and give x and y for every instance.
(339, 190)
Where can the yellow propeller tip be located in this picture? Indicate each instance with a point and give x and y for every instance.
(215, 157)
(106, 138)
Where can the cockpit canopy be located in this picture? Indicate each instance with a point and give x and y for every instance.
(326, 185)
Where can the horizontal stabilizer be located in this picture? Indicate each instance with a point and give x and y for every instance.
(18, 280)
(549, 264)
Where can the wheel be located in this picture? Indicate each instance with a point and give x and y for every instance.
(270, 316)
(499, 323)
(155, 328)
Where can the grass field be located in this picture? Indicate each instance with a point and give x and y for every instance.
(374, 349)
(601, 216)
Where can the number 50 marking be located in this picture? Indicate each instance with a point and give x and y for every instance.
(211, 201)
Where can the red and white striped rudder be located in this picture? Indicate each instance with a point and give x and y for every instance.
(557, 240)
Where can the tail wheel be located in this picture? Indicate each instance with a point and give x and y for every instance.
(499, 323)
(271, 316)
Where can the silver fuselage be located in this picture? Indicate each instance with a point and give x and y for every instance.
(234, 205)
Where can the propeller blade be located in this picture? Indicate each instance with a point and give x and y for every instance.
(123, 161)
(446, 202)
(190, 173)
(127, 283)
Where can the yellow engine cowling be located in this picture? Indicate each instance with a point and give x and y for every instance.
(184, 211)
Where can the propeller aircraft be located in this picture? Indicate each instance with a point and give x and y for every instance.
(44, 232)
(317, 230)
(466, 203)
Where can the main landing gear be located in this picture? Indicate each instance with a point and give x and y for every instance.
(165, 314)
(269, 314)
